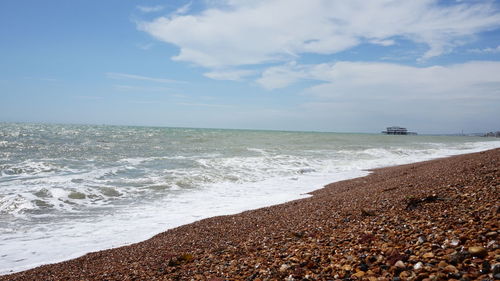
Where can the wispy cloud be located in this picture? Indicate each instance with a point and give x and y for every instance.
(142, 89)
(146, 46)
(232, 75)
(283, 76)
(183, 9)
(89, 97)
(204, 104)
(374, 79)
(45, 79)
(150, 9)
(49, 79)
(486, 50)
(180, 96)
(386, 42)
(143, 102)
(119, 76)
(220, 37)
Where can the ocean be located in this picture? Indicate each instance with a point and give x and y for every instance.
(66, 190)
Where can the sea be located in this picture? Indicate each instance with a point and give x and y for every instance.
(66, 190)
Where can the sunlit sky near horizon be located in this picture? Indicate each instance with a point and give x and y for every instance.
(314, 65)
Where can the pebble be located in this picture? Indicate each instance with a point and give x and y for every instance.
(347, 267)
(495, 268)
(284, 267)
(442, 264)
(428, 255)
(491, 234)
(478, 251)
(359, 274)
(404, 275)
(421, 239)
(485, 267)
(418, 266)
(450, 269)
(400, 264)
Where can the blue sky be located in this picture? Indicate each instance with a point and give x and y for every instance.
(322, 65)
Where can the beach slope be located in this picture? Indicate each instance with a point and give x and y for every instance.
(433, 220)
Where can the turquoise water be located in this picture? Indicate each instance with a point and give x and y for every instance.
(69, 189)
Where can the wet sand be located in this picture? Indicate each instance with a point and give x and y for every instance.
(433, 220)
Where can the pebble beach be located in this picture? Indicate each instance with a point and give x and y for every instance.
(433, 220)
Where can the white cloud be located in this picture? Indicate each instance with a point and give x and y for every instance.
(150, 9)
(118, 76)
(239, 32)
(383, 42)
(232, 75)
(183, 9)
(486, 50)
(282, 76)
(361, 80)
(375, 95)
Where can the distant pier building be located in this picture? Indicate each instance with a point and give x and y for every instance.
(396, 130)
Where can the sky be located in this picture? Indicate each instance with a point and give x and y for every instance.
(313, 65)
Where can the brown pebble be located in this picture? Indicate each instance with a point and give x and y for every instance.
(347, 267)
(428, 255)
(404, 274)
(450, 269)
(442, 264)
(478, 251)
(400, 264)
(284, 267)
(359, 274)
(491, 234)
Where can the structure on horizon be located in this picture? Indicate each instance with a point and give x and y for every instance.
(396, 130)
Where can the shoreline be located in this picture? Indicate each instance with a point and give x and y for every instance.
(210, 246)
